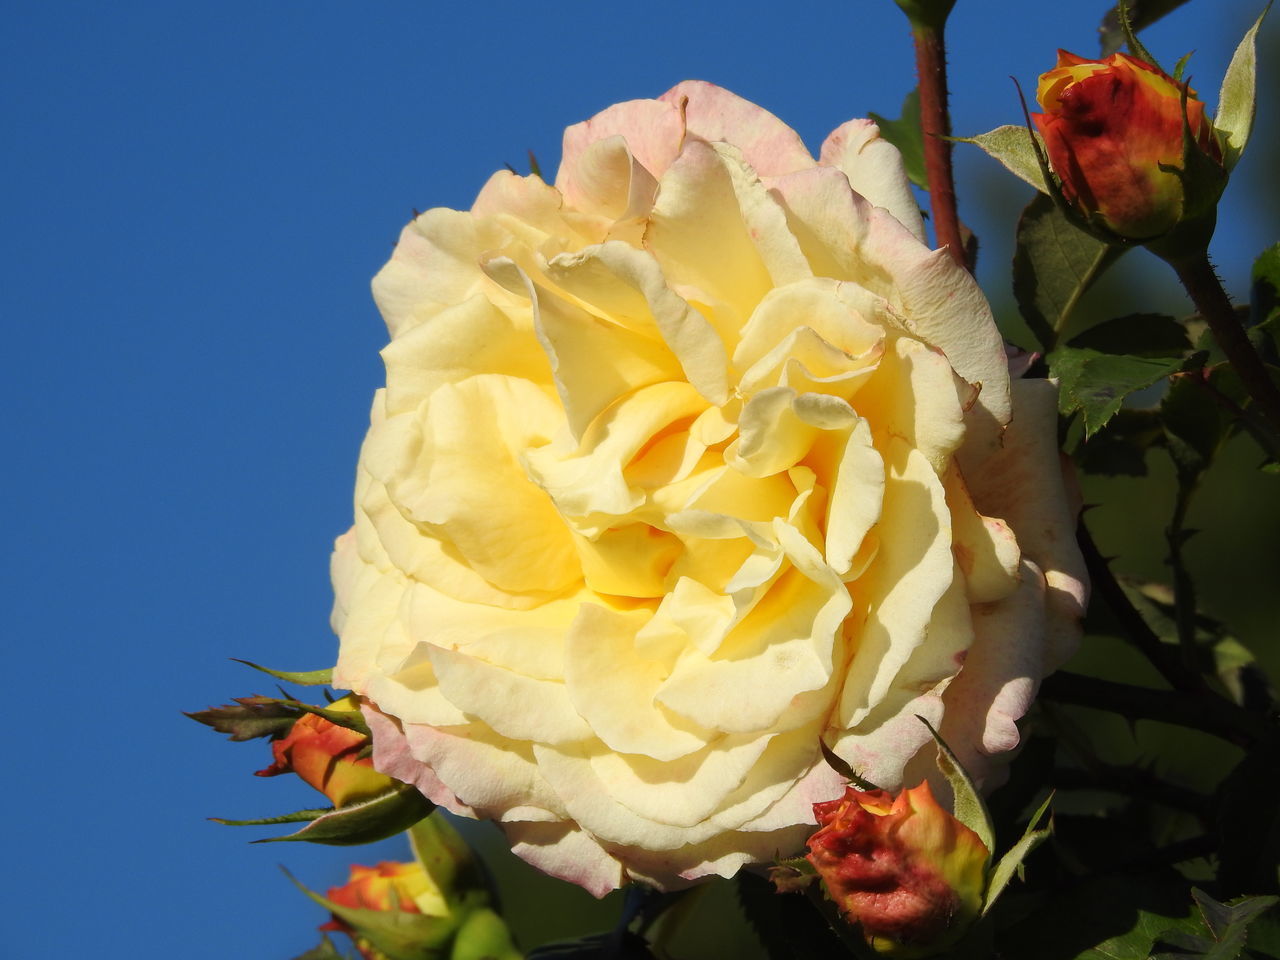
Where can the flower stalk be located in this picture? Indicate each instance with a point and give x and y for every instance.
(935, 124)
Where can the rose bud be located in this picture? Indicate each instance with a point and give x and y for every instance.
(907, 872)
(390, 886)
(1113, 130)
(325, 756)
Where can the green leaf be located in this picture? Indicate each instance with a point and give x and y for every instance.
(1195, 429)
(383, 816)
(1011, 862)
(307, 678)
(1096, 383)
(1102, 918)
(297, 816)
(969, 808)
(399, 934)
(1142, 13)
(1054, 264)
(1264, 298)
(249, 717)
(1012, 146)
(1138, 335)
(325, 950)
(1227, 927)
(484, 936)
(1234, 120)
(1119, 449)
(905, 134)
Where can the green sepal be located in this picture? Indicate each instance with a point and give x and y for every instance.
(969, 806)
(926, 14)
(351, 719)
(1113, 35)
(298, 816)
(905, 134)
(483, 935)
(1011, 862)
(324, 950)
(445, 856)
(792, 875)
(249, 718)
(1015, 147)
(1131, 36)
(399, 934)
(305, 678)
(837, 763)
(1236, 99)
(366, 822)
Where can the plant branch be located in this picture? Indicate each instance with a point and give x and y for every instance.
(1210, 714)
(1205, 290)
(1134, 782)
(935, 125)
(1164, 658)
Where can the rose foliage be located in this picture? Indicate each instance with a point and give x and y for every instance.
(684, 463)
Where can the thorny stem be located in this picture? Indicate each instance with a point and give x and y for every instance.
(931, 66)
(1205, 290)
(1209, 714)
(1164, 658)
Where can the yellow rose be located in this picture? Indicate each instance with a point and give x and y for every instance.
(684, 463)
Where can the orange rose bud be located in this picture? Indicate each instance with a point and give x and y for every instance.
(324, 755)
(908, 873)
(403, 887)
(1109, 127)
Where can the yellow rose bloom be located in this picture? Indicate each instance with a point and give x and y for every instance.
(692, 459)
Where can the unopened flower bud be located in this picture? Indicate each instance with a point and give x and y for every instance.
(1113, 130)
(903, 869)
(326, 756)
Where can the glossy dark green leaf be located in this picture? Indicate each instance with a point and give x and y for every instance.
(905, 134)
(1142, 13)
(1095, 384)
(1224, 932)
(1054, 264)
(1120, 448)
(1138, 335)
(383, 816)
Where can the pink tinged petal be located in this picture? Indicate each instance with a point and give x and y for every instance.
(714, 114)
(626, 286)
(715, 229)
(613, 687)
(392, 756)
(1024, 485)
(563, 850)
(434, 266)
(653, 132)
(514, 706)
(911, 572)
(1000, 675)
(883, 751)
(874, 168)
(610, 182)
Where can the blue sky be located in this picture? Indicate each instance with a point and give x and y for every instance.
(196, 197)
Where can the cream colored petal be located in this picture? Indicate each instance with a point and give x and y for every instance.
(653, 131)
(373, 601)
(626, 285)
(857, 497)
(985, 547)
(613, 686)
(911, 572)
(1024, 486)
(454, 470)
(514, 706)
(715, 228)
(881, 748)
(563, 850)
(470, 338)
(713, 113)
(1001, 673)
(874, 168)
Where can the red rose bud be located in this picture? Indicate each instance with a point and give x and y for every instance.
(908, 873)
(1113, 130)
(324, 755)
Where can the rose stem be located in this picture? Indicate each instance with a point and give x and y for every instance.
(1211, 714)
(1163, 657)
(935, 125)
(1205, 290)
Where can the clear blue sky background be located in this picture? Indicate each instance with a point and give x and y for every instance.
(195, 197)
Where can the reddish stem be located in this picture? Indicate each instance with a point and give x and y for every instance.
(931, 66)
